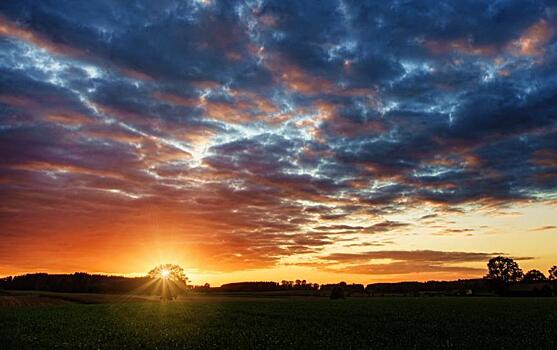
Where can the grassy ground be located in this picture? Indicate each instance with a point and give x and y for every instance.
(282, 323)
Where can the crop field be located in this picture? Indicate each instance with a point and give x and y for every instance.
(246, 322)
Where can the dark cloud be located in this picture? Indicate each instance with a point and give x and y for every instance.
(406, 262)
(544, 228)
(413, 255)
(277, 126)
(402, 268)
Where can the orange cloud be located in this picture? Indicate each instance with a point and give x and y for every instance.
(10, 29)
(298, 80)
(268, 20)
(545, 157)
(234, 113)
(19, 101)
(134, 74)
(113, 135)
(63, 168)
(246, 107)
(69, 119)
(48, 108)
(461, 46)
(532, 41)
(176, 100)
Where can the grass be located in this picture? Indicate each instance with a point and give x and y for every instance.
(281, 323)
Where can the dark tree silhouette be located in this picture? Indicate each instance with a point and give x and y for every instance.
(503, 269)
(534, 276)
(249, 286)
(553, 273)
(78, 282)
(337, 293)
(170, 272)
(171, 276)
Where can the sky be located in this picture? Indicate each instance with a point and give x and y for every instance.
(361, 141)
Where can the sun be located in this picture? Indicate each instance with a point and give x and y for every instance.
(168, 272)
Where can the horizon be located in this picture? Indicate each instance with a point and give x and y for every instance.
(278, 280)
(334, 141)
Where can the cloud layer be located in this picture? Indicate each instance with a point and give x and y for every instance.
(256, 131)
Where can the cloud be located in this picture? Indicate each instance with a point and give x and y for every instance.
(403, 268)
(413, 255)
(405, 262)
(543, 228)
(259, 132)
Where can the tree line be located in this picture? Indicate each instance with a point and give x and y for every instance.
(504, 277)
(300, 285)
(78, 282)
(506, 270)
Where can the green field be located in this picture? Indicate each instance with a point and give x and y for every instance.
(281, 323)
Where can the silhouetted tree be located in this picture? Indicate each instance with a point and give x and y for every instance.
(337, 293)
(5, 282)
(534, 276)
(170, 272)
(79, 282)
(553, 273)
(249, 286)
(503, 269)
(171, 276)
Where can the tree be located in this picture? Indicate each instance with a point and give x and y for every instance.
(534, 276)
(171, 276)
(503, 269)
(337, 293)
(169, 272)
(553, 273)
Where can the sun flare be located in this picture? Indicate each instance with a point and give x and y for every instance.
(165, 274)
